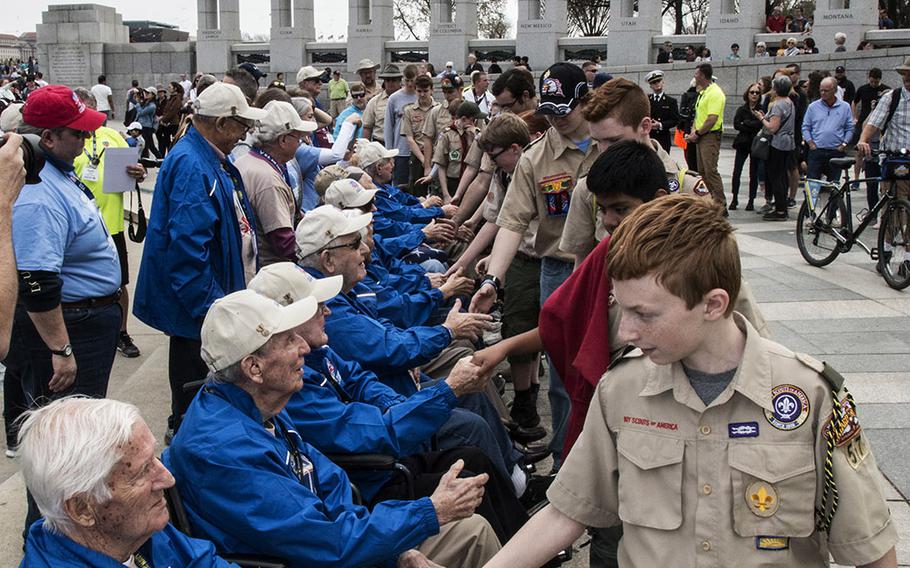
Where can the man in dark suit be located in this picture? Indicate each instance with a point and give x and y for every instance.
(664, 110)
(666, 54)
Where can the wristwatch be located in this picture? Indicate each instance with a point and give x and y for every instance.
(493, 281)
(65, 351)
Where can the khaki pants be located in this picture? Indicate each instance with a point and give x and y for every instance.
(468, 543)
(336, 106)
(708, 155)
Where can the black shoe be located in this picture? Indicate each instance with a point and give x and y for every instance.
(532, 454)
(791, 203)
(733, 206)
(126, 346)
(524, 435)
(750, 206)
(776, 216)
(524, 409)
(767, 208)
(536, 490)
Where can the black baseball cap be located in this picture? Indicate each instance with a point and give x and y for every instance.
(252, 70)
(562, 87)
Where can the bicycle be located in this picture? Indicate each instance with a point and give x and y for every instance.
(824, 226)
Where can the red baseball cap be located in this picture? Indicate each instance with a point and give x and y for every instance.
(54, 106)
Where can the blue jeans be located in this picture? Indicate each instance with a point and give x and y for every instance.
(468, 426)
(818, 164)
(553, 272)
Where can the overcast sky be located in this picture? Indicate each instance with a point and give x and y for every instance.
(331, 17)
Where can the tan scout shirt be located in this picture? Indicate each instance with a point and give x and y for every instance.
(437, 120)
(374, 115)
(413, 120)
(542, 188)
(733, 484)
(491, 207)
(584, 228)
(449, 152)
(478, 158)
(272, 201)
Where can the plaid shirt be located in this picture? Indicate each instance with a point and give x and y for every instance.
(897, 135)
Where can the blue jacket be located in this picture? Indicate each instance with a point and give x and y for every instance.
(389, 270)
(400, 206)
(240, 490)
(192, 253)
(357, 333)
(403, 309)
(345, 409)
(168, 547)
(402, 236)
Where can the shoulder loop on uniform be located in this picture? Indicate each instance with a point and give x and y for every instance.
(835, 379)
(625, 351)
(535, 141)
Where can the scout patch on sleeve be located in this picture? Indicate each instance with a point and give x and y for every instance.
(790, 407)
(847, 428)
(455, 155)
(700, 188)
(772, 542)
(856, 451)
(555, 190)
(673, 184)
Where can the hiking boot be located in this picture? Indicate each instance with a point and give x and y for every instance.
(126, 346)
(524, 409)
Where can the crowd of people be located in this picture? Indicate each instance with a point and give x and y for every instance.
(331, 281)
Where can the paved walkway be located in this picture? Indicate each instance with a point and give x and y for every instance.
(844, 314)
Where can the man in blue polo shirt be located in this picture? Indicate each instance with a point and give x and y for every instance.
(827, 129)
(68, 319)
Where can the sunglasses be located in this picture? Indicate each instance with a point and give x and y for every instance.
(246, 125)
(358, 95)
(353, 245)
(754, 92)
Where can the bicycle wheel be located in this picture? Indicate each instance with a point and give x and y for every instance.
(815, 232)
(894, 244)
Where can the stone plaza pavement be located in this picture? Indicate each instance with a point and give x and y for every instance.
(843, 314)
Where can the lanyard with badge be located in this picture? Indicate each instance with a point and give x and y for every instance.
(90, 172)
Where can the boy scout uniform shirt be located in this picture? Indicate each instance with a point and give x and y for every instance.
(413, 119)
(374, 115)
(449, 153)
(437, 120)
(584, 228)
(478, 158)
(492, 206)
(675, 473)
(542, 188)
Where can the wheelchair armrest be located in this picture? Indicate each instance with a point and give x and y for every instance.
(254, 561)
(363, 461)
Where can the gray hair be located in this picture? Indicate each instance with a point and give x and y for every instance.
(69, 448)
(85, 96)
(782, 85)
(233, 373)
(313, 260)
(840, 37)
(302, 105)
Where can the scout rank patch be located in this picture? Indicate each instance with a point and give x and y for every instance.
(790, 407)
(762, 499)
(772, 542)
(847, 427)
(555, 190)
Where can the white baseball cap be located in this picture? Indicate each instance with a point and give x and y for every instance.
(134, 126)
(372, 152)
(242, 322)
(348, 194)
(11, 117)
(286, 283)
(324, 224)
(222, 99)
(308, 72)
(282, 118)
(450, 64)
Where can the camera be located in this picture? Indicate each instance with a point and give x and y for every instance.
(32, 155)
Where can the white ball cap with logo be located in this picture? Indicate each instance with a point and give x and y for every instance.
(286, 283)
(242, 322)
(282, 118)
(324, 224)
(222, 99)
(348, 193)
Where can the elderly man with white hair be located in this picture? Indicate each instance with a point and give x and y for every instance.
(252, 485)
(267, 181)
(91, 467)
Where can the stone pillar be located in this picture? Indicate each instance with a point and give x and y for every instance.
(630, 32)
(71, 40)
(292, 26)
(540, 25)
(369, 27)
(219, 27)
(726, 26)
(852, 17)
(452, 24)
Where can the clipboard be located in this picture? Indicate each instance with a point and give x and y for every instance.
(116, 180)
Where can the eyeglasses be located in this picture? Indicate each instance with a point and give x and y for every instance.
(497, 154)
(754, 92)
(246, 125)
(353, 245)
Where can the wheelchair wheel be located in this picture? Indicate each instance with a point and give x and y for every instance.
(894, 235)
(815, 231)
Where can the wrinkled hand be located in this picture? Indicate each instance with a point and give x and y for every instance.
(483, 299)
(64, 372)
(136, 171)
(464, 233)
(436, 279)
(456, 498)
(466, 325)
(415, 559)
(487, 359)
(863, 149)
(432, 201)
(449, 210)
(466, 377)
(457, 284)
(12, 170)
(439, 232)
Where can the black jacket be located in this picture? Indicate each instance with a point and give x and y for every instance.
(747, 126)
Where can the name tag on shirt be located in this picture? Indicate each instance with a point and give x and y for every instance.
(90, 173)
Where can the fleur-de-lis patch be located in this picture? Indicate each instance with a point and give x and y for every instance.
(762, 499)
